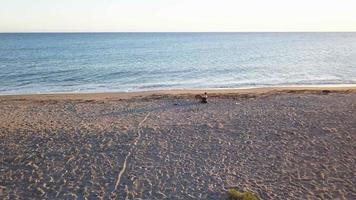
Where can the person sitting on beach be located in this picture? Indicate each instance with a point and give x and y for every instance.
(204, 98)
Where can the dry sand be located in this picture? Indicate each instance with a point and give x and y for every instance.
(278, 143)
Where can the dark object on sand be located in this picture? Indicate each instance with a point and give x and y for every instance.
(326, 91)
(202, 98)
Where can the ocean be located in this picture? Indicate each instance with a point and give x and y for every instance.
(33, 63)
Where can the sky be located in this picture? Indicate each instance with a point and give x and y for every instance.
(176, 15)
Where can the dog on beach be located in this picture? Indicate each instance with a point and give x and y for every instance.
(202, 98)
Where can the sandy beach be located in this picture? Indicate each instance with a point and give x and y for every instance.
(277, 143)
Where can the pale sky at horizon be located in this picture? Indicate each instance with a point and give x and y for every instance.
(176, 15)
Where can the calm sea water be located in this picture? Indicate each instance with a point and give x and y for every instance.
(103, 62)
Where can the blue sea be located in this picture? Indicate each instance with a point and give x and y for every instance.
(32, 63)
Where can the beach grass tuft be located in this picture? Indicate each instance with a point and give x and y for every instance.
(236, 195)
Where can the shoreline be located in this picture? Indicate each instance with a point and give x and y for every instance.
(189, 93)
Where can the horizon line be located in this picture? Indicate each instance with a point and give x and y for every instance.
(177, 32)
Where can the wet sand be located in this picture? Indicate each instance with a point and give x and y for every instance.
(278, 143)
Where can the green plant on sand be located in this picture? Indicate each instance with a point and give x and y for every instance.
(235, 195)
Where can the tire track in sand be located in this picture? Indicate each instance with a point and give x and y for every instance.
(122, 171)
